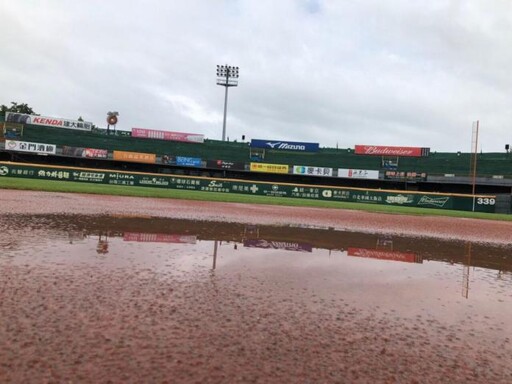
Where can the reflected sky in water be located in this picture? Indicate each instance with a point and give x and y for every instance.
(449, 280)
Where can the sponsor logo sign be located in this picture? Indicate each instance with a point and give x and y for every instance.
(154, 181)
(188, 161)
(221, 164)
(438, 202)
(85, 152)
(379, 150)
(22, 118)
(419, 176)
(167, 135)
(358, 173)
(399, 199)
(268, 244)
(97, 153)
(484, 203)
(136, 157)
(95, 177)
(384, 255)
(270, 168)
(311, 171)
(25, 146)
(285, 145)
(159, 238)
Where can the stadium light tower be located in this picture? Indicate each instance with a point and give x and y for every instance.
(227, 76)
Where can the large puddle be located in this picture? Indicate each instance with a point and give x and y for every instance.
(239, 303)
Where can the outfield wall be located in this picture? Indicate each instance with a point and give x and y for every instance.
(481, 203)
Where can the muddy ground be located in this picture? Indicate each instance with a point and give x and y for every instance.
(88, 322)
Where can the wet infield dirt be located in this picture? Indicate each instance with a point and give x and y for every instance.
(114, 289)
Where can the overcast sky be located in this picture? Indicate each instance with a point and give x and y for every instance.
(414, 73)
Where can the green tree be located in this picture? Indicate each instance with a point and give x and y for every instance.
(18, 108)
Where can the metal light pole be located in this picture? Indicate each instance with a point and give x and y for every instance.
(227, 76)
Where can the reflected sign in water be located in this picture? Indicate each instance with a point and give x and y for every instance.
(109, 233)
(187, 287)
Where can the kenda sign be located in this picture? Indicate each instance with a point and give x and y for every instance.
(21, 118)
(284, 145)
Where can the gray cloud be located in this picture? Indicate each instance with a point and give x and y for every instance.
(367, 72)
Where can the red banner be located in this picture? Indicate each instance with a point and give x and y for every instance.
(167, 135)
(84, 152)
(378, 150)
(384, 255)
(93, 152)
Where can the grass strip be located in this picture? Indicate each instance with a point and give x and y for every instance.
(119, 190)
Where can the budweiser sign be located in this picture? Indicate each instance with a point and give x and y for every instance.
(384, 255)
(376, 150)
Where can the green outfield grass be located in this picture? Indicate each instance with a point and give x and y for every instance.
(103, 189)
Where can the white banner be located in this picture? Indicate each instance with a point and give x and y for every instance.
(311, 171)
(21, 118)
(25, 146)
(358, 173)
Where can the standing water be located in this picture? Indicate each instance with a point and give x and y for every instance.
(144, 299)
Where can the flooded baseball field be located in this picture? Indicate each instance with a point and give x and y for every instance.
(113, 298)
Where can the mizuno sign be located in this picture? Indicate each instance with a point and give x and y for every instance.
(285, 145)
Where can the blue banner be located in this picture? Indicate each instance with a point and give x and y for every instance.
(285, 145)
(188, 161)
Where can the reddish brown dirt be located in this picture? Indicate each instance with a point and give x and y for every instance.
(88, 323)
(440, 227)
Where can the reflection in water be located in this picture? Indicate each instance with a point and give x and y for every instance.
(159, 238)
(172, 293)
(465, 273)
(407, 257)
(215, 249)
(17, 229)
(102, 247)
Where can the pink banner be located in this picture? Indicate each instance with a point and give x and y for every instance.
(167, 135)
(159, 238)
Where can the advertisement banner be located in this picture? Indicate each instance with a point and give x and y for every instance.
(85, 152)
(159, 238)
(222, 164)
(379, 150)
(21, 118)
(483, 203)
(188, 161)
(358, 173)
(284, 145)
(167, 135)
(385, 255)
(270, 168)
(311, 171)
(413, 176)
(269, 244)
(25, 146)
(136, 157)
